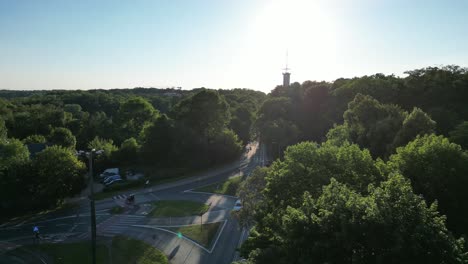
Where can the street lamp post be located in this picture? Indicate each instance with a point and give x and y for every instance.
(92, 207)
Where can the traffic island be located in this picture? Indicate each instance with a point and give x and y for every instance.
(177, 208)
(228, 187)
(202, 234)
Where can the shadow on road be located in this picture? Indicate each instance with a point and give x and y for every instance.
(173, 252)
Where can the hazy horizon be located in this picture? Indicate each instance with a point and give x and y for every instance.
(219, 44)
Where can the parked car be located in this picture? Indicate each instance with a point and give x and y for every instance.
(106, 178)
(111, 178)
(112, 182)
(109, 172)
(237, 205)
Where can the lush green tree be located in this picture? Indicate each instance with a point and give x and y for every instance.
(158, 141)
(308, 166)
(416, 123)
(14, 181)
(206, 112)
(460, 135)
(59, 174)
(106, 145)
(32, 139)
(128, 152)
(250, 193)
(373, 125)
(389, 225)
(339, 135)
(133, 115)
(12, 151)
(63, 137)
(438, 170)
(241, 123)
(3, 130)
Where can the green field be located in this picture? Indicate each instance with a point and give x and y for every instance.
(204, 235)
(70, 253)
(228, 187)
(177, 208)
(124, 250)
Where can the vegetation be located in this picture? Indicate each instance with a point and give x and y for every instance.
(137, 128)
(203, 235)
(228, 187)
(127, 250)
(177, 208)
(335, 204)
(124, 250)
(70, 253)
(369, 171)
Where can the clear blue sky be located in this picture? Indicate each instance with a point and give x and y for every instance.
(221, 43)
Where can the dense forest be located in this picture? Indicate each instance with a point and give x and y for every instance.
(370, 170)
(41, 132)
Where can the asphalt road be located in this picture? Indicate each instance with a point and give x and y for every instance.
(73, 223)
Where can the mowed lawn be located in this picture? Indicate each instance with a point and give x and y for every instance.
(124, 250)
(228, 187)
(177, 208)
(204, 235)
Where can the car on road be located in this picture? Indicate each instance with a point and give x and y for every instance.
(237, 205)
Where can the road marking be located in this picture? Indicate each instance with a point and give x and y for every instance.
(154, 196)
(119, 197)
(230, 196)
(219, 234)
(186, 238)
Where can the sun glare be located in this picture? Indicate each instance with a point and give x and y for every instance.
(297, 26)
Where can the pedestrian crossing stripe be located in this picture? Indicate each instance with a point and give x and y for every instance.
(119, 197)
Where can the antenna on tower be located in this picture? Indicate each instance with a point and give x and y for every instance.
(286, 73)
(286, 69)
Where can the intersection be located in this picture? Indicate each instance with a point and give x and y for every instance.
(74, 224)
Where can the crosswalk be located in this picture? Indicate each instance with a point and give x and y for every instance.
(118, 224)
(120, 197)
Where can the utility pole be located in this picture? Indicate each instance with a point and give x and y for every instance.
(92, 207)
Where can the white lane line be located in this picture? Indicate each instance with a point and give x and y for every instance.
(219, 234)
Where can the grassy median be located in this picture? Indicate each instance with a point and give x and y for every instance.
(228, 187)
(203, 235)
(124, 250)
(177, 208)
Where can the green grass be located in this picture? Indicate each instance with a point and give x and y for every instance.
(124, 250)
(71, 253)
(228, 187)
(203, 236)
(177, 208)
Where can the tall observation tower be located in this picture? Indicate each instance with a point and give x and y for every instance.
(286, 73)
